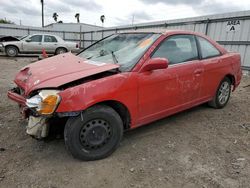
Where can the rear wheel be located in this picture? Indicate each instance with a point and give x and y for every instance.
(95, 134)
(11, 51)
(61, 51)
(222, 95)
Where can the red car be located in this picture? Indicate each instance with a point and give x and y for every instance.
(122, 82)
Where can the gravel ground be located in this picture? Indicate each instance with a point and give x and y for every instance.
(201, 147)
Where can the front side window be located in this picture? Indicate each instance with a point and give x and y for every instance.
(36, 38)
(178, 49)
(207, 49)
(48, 38)
(125, 49)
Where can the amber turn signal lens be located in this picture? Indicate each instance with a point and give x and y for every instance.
(49, 104)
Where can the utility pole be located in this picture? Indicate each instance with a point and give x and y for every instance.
(42, 13)
(133, 19)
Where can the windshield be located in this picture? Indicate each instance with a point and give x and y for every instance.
(124, 49)
(21, 38)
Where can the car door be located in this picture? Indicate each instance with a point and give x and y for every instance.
(50, 43)
(33, 44)
(210, 57)
(166, 91)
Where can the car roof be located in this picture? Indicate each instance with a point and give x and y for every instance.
(184, 32)
(169, 32)
(44, 34)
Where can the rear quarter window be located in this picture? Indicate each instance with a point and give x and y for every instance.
(48, 38)
(208, 50)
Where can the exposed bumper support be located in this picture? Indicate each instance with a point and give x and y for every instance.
(38, 127)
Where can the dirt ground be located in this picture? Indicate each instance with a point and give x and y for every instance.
(201, 147)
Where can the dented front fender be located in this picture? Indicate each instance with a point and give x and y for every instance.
(119, 87)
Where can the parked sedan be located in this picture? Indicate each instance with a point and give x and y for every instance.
(122, 82)
(36, 43)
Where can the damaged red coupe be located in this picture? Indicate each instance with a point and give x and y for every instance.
(122, 82)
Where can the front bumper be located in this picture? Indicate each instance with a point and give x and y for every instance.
(14, 94)
(2, 49)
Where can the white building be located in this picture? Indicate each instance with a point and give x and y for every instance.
(73, 27)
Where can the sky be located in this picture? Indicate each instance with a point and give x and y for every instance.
(117, 12)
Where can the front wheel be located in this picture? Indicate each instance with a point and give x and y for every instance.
(222, 94)
(95, 134)
(11, 51)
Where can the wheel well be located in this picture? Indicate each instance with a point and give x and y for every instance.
(122, 110)
(13, 46)
(231, 77)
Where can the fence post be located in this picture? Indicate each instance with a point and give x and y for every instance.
(83, 40)
(91, 37)
(207, 26)
(28, 31)
(63, 35)
(80, 36)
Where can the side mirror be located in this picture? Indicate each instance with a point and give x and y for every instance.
(28, 40)
(155, 64)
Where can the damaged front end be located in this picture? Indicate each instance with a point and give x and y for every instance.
(42, 105)
(38, 109)
(39, 84)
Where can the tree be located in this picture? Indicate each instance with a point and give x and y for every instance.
(55, 16)
(77, 16)
(4, 21)
(102, 18)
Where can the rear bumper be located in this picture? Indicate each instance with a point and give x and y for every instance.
(15, 96)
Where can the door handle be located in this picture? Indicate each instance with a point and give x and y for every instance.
(198, 72)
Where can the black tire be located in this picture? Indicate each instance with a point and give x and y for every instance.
(223, 94)
(11, 51)
(95, 134)
(60, 50)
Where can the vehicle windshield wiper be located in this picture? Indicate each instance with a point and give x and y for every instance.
(114, 57)
(103, 52)
(89, 57)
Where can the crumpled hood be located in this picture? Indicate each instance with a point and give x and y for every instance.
(58, 70)
(11, 42)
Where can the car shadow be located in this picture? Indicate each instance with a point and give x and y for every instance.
(163, 123)
(147, 128)
(159, 126)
